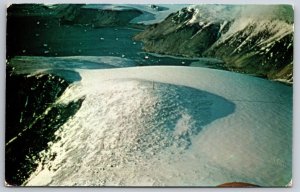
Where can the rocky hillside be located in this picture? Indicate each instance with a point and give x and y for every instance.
(250, 39)
(100, 17)
(75, 14)
(32, 117)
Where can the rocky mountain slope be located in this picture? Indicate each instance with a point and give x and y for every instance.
(250, 39)
(101, 17)
(80, 14)
(32, 117)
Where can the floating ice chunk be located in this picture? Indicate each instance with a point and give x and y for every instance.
(24, 51)
(101, 38)
(37, 22)
(146, 57)
(290, 184)
(45, 45)
(117, 38)
(46, 51)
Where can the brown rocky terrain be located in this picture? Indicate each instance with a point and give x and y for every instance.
(261, 45)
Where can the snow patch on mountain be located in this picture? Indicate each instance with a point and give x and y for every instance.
(152, 16)
(212, 13)
(273, 31)
(276, 20)
(219, 13)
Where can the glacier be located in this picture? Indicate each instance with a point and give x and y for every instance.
(171, 126)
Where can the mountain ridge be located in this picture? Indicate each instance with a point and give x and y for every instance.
(259, 43)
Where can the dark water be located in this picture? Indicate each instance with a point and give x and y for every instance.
(36, 36)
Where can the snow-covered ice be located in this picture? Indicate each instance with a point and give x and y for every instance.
(149, 16)
(170, 126)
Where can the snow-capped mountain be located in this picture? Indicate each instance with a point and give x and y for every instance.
(256, 39)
